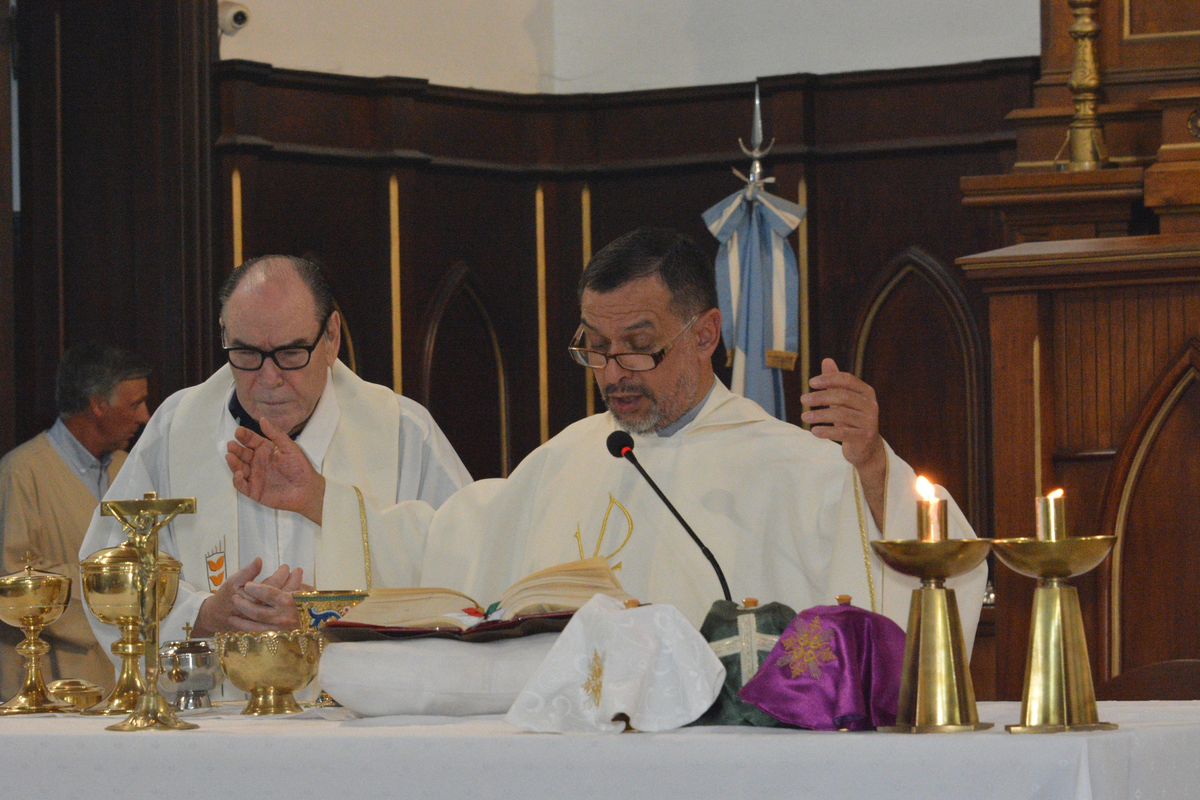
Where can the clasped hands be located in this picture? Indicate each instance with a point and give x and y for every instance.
(240, 604)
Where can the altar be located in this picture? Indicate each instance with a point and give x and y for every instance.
(1153, 754)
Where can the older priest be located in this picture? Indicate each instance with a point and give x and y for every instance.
(787, 513)
(282, 335)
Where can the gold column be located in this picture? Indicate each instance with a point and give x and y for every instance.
(585, 202)
(394, 226)
(1085, 138)
(802, 263)
(235, 194)
(543, 361)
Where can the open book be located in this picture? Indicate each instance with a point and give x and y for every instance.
(554, 590)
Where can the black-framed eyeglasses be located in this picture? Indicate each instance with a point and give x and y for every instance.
(634, 362)
(293, 356)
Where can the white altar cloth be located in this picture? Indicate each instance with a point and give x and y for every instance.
(1155, 753)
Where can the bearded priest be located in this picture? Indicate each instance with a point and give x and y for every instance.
(788, 513)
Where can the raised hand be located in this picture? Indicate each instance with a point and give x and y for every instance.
(850, 415)
(274, 471)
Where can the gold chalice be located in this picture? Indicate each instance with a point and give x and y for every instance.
(31, 600)
(110, 589)
(936, 695)
(319, 607)
(270, 666)
(1059, 695)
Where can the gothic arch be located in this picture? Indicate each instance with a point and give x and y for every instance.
(1151, 509)
(457, 293)
(916, 297)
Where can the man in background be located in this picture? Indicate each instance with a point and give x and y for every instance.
(49, 487)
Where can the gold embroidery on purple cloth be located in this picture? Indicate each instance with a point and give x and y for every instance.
(594, 684)
(807, 650)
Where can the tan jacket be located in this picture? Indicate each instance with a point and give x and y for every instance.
(45, 510)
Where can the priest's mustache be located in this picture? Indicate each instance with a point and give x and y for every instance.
(626, 388)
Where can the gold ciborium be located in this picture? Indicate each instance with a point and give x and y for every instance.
(1059, 695)
(318, 607)
(936, 695)
(142, 520)
(109, 580)
(270, 666)
(31, 600)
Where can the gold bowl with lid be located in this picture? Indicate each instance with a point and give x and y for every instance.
(109, 579)
(30, 600)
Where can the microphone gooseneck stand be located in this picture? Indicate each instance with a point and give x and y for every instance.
(620, 444)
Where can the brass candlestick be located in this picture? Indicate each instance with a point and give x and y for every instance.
(316, 608)
(31, 600)
(1058, 695)
(142, 520)
(1085, 137)
(936, 695)
(109, 579)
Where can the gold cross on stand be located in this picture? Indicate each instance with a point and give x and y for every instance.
(187, 631)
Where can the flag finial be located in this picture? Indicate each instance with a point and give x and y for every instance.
(756, 150)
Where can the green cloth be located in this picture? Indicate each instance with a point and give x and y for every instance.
(722, 623)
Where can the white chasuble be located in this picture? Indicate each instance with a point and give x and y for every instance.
(360, 435)
(776, 506)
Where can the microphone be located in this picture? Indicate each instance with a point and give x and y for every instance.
(620, 444)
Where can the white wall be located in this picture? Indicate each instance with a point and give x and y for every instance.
(567, 46)
(485, 44)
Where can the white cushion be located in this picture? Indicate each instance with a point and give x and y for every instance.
(431, 676)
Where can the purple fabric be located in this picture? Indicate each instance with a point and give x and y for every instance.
(834, 667)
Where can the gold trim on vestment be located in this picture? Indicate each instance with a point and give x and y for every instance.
(362, 518)
(862, 532)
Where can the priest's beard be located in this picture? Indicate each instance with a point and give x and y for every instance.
(662, 411)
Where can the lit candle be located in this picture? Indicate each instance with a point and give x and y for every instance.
(931, 514)
(1052, 517)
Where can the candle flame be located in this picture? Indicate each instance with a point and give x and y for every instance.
(925, 488)
(1055, 494)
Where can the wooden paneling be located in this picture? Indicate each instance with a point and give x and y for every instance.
(882, 152)
(1147, 505)
(945, 360)
(7, 331)
(1141, 41)
(460, 338)
(1117, 343)
(1111, 317)
(115, 119)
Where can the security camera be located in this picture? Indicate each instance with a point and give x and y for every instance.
(232, 17)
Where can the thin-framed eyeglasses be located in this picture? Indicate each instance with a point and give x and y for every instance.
(290, 357)
(633, 362)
